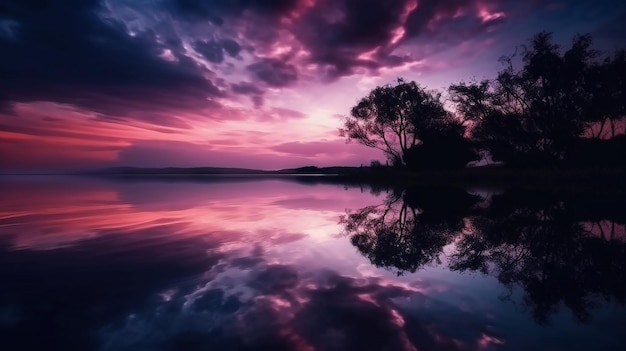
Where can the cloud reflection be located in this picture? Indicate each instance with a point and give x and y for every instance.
(89, 264)
(113, 266)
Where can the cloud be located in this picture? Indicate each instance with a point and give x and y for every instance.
(338, 34)
(211, 50)
(38, 155)
(316, 148)
(214, 51)
(181, 66)
(280, 114)
(342, 38)
(274, 72)
(217, 10)
(253, 90)
(231, 47)
(333, 39)
(247, 88)
(73, 52)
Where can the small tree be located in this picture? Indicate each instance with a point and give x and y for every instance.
(376, 164)
(397, 119)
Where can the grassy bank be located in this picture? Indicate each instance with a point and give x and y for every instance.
(586, 180)
(498, 177)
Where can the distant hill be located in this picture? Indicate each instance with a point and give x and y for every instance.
(224, 171)
(320, 170)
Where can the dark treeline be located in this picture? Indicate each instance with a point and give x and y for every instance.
(548, 107)
(560, 249)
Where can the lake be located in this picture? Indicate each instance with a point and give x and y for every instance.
(304, 264)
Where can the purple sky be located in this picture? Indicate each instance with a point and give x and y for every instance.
(244, 83)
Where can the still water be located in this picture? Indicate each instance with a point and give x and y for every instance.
(276, 264)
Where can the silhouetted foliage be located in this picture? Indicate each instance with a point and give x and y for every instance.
(544, 243)
(444, 147)
(608, 100)
(595, 152)
(376, 164)
(539, 243)
(538, 112)
(410, 229)
(535, 116)
(410, 125)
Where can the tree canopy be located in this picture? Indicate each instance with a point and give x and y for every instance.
(536, 114)
(404, 120)
(539, 111)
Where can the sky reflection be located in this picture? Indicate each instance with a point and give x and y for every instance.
(90, 264)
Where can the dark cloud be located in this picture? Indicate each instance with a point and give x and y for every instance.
(247, 88)
(67, 52)
(231, 47)
(211, 50)
(363, 25)
(217, 10)
(427, 12)
(214, 51)
(93, 55)
(274, 72)
(253, 90)
(348, 37)
(338, 33)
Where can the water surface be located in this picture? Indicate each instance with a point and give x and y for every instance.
(93, 264)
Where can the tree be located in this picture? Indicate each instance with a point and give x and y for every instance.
(397, 119)
(472, 100)
(443, 147)
(532, 116)
(608, 101)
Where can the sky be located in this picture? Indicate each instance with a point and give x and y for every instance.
(89, 84)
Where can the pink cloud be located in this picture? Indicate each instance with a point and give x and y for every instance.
(317, 148)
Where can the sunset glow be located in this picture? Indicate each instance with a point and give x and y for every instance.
(254, 84)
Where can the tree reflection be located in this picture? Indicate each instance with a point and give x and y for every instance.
(409, 229)
(539, 244)
(546, 245)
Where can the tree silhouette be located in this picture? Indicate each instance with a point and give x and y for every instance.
(608, 101)
(472, 100)
(443, 147)
(540, 244)
(410, 125)
(410, 228)
(537, 112)
(535, 116)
